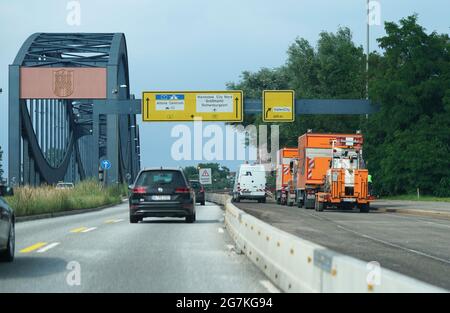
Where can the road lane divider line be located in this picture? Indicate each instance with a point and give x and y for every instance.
(78, 230)
(33, 247)
(48, 247)
(113, 221)
(89, 229)
(394, 245)
(220, 230)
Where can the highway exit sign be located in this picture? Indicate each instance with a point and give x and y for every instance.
(182, 106)
(278, 106)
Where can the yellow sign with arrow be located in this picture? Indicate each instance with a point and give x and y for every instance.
(181, 106)
(278, 106)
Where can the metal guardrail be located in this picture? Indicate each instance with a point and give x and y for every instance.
(297, 265)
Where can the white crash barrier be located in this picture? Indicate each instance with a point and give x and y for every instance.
(297, 265)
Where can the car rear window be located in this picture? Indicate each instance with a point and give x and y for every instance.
(154, 179)
(195, 184)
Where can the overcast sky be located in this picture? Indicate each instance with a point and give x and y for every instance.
(198, 44)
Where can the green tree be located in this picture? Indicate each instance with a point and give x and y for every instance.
(334, 69)
(408, 140)
(220, 175)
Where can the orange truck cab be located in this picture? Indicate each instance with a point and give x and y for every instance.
(330, 172)
(285, 190)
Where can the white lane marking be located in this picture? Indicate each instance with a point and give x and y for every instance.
(395, 245)
(117, 220)
(269, 286)
(420, 219)
(220, 230)
(89, 229)
(48, 247)
(381, 241)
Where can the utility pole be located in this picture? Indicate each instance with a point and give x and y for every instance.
(367, 52)
(367, 49)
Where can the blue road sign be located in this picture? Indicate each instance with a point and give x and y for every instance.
(106, 165)
(170, 97)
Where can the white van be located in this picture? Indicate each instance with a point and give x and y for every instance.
(250, 183)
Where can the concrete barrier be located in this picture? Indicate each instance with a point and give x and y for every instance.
(297, 265)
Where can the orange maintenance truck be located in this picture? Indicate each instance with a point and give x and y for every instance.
(330, 172)
(285, 191)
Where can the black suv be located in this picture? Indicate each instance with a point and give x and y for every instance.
(199, 191)
(161, 193)
(7, 234)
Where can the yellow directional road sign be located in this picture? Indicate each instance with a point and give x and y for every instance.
(165, 106)
(278, 106)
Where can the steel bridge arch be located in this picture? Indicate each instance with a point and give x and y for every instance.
(58, 138)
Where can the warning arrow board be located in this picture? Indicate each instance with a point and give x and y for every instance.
(205, 177)
(164, 106)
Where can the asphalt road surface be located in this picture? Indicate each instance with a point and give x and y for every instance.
(415, 246)
(102, 252)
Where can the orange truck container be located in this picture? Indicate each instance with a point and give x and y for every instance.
(322, 183)
(285, 191)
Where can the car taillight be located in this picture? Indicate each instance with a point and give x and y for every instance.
(182, 190)
(139, 190)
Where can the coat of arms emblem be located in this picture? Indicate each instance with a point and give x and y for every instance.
(63, 84)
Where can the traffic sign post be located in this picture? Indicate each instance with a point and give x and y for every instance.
(105, 164)
(181, 106)
(205, 176)
(278, 106)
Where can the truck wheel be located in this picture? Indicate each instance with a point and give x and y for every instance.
(364, 208)
(319, 206)
(299, 202)
(237, 199)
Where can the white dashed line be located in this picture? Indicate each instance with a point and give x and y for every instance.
(47, 247)
(89, 229)
(220, 230)
(269, 286)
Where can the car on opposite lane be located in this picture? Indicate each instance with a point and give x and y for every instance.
(7, 227)
(199, 191)
(161, 192)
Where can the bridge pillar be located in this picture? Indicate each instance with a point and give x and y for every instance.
(15, 128)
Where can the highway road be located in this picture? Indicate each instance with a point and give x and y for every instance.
(112, 255)
(416, 246)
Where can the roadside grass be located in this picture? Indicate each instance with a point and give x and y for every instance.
(46, 199)
(414, 198)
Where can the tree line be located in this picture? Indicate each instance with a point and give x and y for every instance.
(407, 142)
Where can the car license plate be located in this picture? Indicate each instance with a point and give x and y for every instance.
(160, 198)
